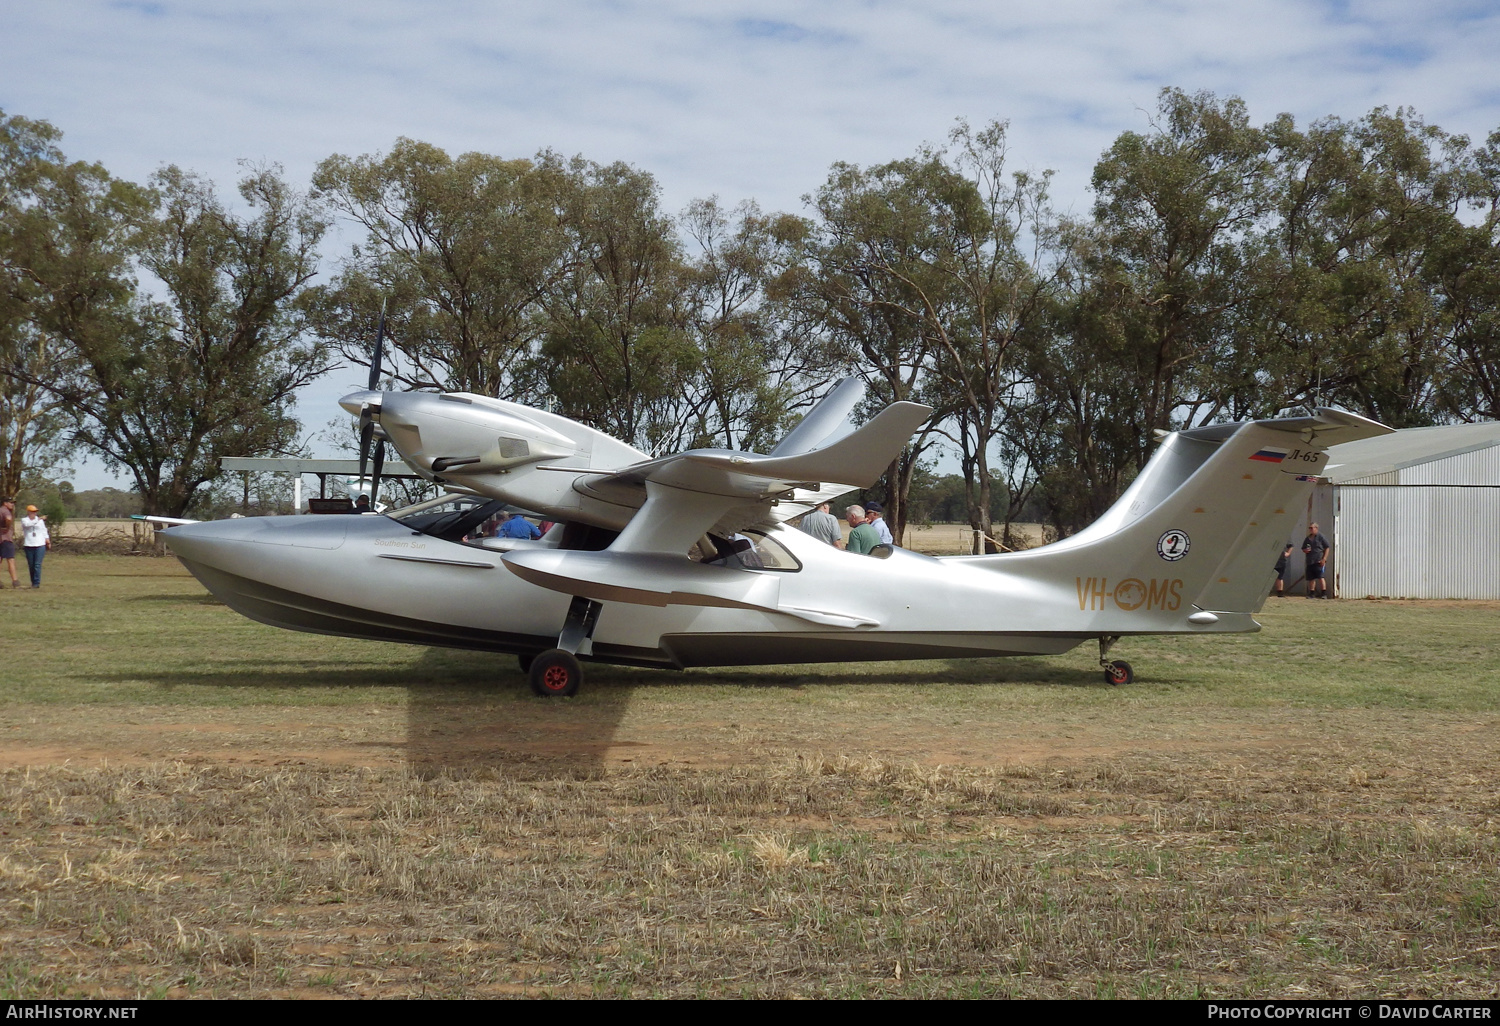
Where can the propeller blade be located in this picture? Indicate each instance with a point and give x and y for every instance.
(379, 349)
(366, 430)
(375, 474)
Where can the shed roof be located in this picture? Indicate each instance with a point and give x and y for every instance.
(1409, 447)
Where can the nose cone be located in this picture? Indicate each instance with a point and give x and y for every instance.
(247, 543)
(355, 402)
(210, 542)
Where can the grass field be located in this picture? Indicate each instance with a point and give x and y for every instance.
(194, 804)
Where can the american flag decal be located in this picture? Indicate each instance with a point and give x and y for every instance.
(1270, 455)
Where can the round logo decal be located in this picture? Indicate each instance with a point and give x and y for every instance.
(1172, 546)
(1130, 594)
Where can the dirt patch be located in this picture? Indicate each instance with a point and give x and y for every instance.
(457, 737)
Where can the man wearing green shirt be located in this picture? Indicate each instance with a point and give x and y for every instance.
(862, 539)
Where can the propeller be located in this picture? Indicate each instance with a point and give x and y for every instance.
(367, 416)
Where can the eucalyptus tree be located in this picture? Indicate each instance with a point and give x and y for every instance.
(1000, 263)
(1082, 427)
(1175, 214)
(70, 234)
(33, 422)
(866, 229)
(614, 350)
(465, 254)
(164, 386)
(32, 425)
(1466, 271)
(761, 359)
(1369, 230)
(936, 268)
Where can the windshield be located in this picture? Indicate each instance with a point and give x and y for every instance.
(450, 517)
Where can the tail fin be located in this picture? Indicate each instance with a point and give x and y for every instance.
(1201, 526)
(825, 423)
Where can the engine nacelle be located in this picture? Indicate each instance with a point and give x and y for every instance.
(477, 445)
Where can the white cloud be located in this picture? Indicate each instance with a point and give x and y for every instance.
(743, 99)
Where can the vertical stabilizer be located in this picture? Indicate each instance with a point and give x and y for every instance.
(1200, 528)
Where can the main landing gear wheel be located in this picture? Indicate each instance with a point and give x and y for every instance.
(1118, 672)
(556, 674)
(526, 659)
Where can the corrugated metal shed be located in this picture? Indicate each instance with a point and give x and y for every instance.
(1416, 542)
(1417, 513)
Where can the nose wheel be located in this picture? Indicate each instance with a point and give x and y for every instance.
(1117, 671)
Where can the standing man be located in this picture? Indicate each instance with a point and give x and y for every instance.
(8, 538)
(1316, 548)
(823, 525)
(875, 517)
(862, 539)
(36, 541)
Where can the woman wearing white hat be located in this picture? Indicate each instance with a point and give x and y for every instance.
(36, 541)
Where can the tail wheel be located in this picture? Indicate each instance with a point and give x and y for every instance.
(1118, 672)
(556, 674)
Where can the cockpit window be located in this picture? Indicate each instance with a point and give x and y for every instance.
(752, 550)
(452, 518)
(773, 555)
(464, 518)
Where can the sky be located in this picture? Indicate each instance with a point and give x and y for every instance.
(736, 99)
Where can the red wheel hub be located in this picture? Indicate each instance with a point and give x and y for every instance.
(555, 678)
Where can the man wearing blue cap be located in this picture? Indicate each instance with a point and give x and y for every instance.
(875, 517)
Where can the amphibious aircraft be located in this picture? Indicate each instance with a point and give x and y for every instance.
(688, 560)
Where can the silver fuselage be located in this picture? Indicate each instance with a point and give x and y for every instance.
(371, 577)
(1188, 549)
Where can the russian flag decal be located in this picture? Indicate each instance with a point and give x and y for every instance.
(1270, 455)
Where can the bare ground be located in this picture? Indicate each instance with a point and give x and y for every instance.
(448, 736)
(374, 852)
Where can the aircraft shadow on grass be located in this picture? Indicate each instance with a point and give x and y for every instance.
(172, 598)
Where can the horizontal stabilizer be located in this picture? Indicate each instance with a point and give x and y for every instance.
(856, 460)
(1323, 427)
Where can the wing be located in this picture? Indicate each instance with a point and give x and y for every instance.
(692, 492)
(564, 470)
(681, 497)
